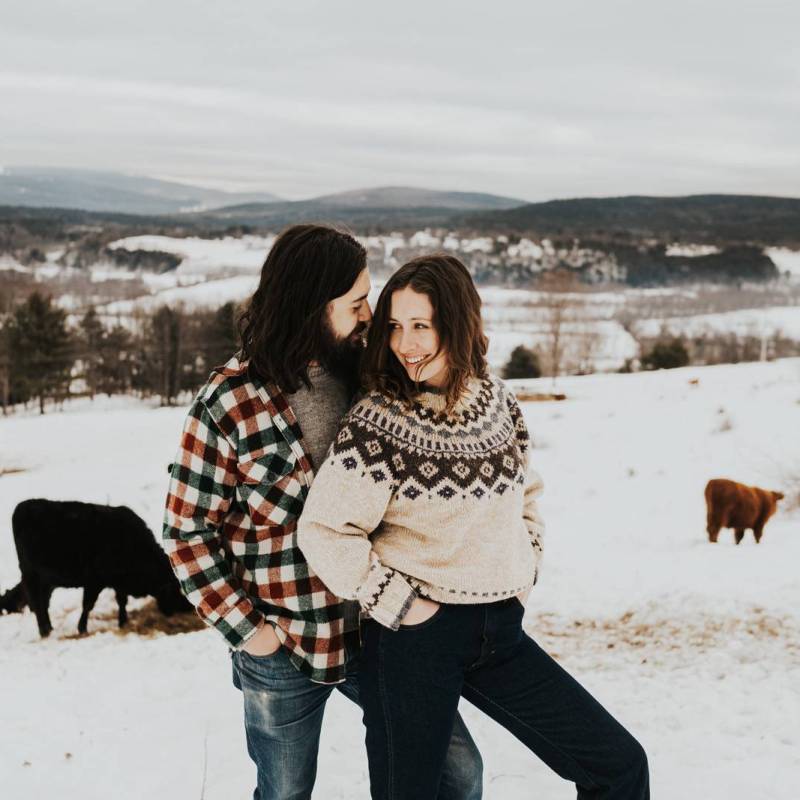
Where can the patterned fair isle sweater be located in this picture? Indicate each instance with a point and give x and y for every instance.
(413, 501)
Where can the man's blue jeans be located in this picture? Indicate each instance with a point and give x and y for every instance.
(283, 712)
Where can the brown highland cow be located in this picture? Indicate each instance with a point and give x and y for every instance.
(733, 505)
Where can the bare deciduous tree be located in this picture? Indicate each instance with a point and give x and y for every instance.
(561, 303)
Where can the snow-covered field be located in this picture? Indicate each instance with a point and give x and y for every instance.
(785, 260)
(694, 647)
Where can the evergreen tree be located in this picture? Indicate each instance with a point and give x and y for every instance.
(41, 351)
(165, 353)
(5, 369)
(92, 334)
(224, 339)
(118, 362)
(524, 363)
(208, 339)
(666, 355)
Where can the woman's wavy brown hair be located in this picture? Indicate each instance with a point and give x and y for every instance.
(456, 319)
(283, 326)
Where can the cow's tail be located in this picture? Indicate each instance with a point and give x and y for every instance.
(14, 600)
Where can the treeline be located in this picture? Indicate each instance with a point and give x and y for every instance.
(162, 353)
(651, 266)
(665, 351)
(714, 347)
(92, 252)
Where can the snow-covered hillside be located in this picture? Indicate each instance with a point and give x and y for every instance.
(205, 256)
(695, 647)
(211, 293)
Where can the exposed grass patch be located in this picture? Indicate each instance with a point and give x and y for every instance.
(537, 397)
(145, 621)
(11, 470)
(648, 639)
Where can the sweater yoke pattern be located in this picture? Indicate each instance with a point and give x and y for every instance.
(477, 451)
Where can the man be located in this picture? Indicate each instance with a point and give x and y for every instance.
(246, 460)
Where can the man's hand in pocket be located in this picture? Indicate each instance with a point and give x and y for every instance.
(263, 643)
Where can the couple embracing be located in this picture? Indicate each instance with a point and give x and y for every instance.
(352, 507)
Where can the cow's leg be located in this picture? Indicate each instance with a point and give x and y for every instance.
(739, 534)
(45, 593)
(90, 595)
(38, 599)
(714, 521)
(122, 602)
(757, 532)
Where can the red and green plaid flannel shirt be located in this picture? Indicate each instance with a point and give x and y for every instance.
(237, 487)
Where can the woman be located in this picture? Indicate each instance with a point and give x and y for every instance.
(425, 512)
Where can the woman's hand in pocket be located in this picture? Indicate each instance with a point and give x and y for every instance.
(421, 611)
(263, 643)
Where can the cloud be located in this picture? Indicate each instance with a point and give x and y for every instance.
(512, 97)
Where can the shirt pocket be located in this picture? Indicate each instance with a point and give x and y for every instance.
(267, 486)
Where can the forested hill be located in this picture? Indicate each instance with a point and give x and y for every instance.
(711, 218)
(723, 220)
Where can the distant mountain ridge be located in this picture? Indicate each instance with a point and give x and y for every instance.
(412, 197)
(92, 190)
(117, 193)
(697, 218)
(403, 206)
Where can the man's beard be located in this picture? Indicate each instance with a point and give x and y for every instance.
(342, 357)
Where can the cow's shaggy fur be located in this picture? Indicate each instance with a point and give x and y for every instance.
(733, 505)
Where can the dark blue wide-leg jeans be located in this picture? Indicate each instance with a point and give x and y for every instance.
(411, 681)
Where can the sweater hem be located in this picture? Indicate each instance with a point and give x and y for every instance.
(458, 596)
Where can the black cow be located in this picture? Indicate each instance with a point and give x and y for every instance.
(91, 546)
(13, 601)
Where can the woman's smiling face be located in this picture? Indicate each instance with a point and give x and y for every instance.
(413, 338)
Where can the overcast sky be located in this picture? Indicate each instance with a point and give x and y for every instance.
(528, 99)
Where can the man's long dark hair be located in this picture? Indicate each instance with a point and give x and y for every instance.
(283, 327)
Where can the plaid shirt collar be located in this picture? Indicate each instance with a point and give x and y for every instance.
(277, 404)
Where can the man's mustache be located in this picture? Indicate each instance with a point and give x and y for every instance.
(360, 332)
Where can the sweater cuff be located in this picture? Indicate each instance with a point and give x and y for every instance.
(386, 596)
